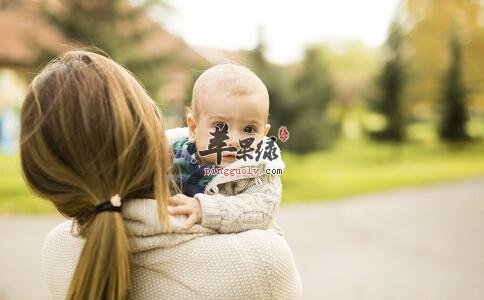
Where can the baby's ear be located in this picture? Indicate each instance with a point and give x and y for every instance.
(268, 126)
(192, 127)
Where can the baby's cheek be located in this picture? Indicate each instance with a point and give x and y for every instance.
(202, 142)
(258, 139)
(211, 158)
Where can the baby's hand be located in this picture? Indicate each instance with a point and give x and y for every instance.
(184, 205)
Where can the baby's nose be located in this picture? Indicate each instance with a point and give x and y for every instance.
(234, 141)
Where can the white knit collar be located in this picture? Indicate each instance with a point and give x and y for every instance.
(145, 231)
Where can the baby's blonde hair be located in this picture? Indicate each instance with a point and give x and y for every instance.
(232, 78)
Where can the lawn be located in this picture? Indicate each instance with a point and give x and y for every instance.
(352, 167)
(14, 194)
(357, 167)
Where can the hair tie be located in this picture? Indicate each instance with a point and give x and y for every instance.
(114, 204)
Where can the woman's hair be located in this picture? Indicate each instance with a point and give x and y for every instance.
(89, 131)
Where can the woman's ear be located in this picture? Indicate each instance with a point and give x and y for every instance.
(268, 126)
(192, 127)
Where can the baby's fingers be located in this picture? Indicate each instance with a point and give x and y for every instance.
(192, 219)
(180, 210)
(177, 200)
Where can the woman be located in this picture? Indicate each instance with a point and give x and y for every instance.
(93, 143)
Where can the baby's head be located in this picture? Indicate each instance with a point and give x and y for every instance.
(230, 94)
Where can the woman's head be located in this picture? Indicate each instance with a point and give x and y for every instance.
(89, 131)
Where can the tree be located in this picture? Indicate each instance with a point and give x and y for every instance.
(430, 25)
(278, 86)
(117, 28)
(390, 85)
(311, 129)
(454, 118)
(298, 102)
(314, 83)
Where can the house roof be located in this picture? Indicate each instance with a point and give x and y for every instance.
(24, 31)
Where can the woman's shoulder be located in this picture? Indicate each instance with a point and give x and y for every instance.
(254, 264)
(261, 259)
(270, 250)
(271, 259)
(278, 259)
(60, 252)
(61, 236)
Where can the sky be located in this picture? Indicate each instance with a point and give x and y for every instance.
(287, 26)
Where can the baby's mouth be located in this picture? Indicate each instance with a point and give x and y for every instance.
(229, 157)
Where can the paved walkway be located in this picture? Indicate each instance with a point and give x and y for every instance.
(422, 243)
(425, 243)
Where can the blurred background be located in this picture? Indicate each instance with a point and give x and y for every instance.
(376, 95)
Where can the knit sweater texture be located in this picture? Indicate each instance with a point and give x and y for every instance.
(199, 263)
(234, 201)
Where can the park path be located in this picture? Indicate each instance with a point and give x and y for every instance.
(418, 243)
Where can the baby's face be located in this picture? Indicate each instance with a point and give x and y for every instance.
(245, 116)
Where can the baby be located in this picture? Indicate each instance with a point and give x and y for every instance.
(227, 128)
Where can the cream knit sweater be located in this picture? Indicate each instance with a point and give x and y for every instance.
(199, 263)
(195, 264)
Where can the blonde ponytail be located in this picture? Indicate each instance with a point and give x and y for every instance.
(90, 131)
(105, 270)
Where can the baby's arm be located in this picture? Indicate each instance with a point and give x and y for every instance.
(252, 209)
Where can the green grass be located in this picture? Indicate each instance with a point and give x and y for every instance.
(352, 167)
(359, 167)
(14, 194)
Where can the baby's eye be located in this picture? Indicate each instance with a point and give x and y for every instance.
(249, 129)
(219, 125)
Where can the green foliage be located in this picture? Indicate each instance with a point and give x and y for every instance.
(454, 118)
(353, 68)
(390, 84)
(311, 130)
(299, 102)
(431, 24)
(116, 27)
(282, 108)
(314, 85)
(15, 197)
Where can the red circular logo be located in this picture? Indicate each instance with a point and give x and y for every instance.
(283, 134)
